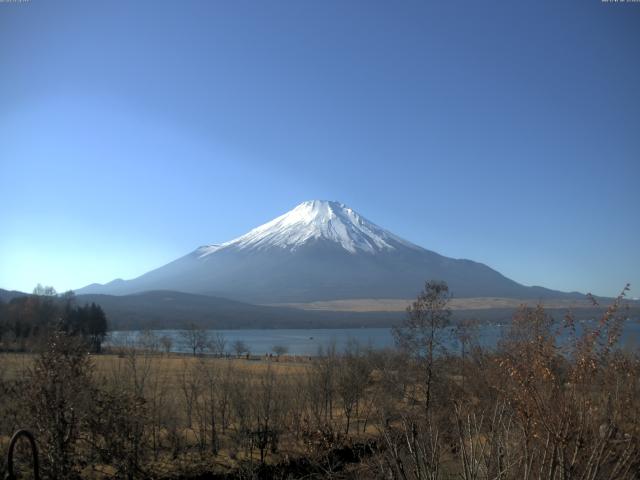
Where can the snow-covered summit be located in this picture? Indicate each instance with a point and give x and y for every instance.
(315, 220)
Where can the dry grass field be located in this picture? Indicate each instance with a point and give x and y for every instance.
(16, 365)
(400, 305)
(179, 393)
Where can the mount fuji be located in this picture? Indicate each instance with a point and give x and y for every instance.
(320, 250)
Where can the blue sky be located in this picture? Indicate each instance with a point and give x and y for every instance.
(504, 132)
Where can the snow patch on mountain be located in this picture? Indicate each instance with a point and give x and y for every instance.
(205, 250)
(314, 220)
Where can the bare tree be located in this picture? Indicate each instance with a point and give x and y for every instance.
(148, 341)
(159, 396)
(166, 342)
(321, 383)
(225, 387)
(59, 396)
(268, 408)
(421, 333)
(44, 291)
(466, 332)
(190, 387)
(279, 350)
(118, 430)
(240, 347)
(352, 379)
(195, 338)
(218, 344)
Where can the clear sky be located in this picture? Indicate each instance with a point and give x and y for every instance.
(507, 132)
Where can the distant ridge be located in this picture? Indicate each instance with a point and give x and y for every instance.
(8, 295)
(174, 310)
(163, 309)
(321, 250)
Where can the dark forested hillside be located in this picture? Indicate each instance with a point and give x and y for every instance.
(26, 321)
(168, 309)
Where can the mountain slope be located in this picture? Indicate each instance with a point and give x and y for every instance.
(162, 309)
(320, 251)
(7, 295)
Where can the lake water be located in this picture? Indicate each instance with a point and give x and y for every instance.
(310, 341)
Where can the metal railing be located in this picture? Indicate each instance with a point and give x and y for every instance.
(34, 453)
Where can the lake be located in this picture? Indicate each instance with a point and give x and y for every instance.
(309, 341)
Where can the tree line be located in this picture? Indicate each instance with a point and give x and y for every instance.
(26, 322)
